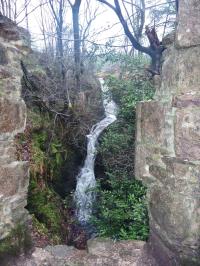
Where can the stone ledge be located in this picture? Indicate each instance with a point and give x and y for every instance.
(101, 252)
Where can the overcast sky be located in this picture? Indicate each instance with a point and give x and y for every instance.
(106, 20)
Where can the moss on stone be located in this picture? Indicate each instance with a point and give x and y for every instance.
(18, 241)
(45, 205)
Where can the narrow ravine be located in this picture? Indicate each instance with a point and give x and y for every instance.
(86, 182)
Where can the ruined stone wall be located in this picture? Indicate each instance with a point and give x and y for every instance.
(13, 174)
(168, 147)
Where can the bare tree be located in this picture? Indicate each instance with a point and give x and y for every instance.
(154, 50)
(42, 26)
(58, 16)
(8, 8)
(136, 16)
(2, 7)
(90, 13)
(26, 13)
(77, 42)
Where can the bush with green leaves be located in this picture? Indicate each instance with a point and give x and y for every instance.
(46, 205)
(121, 211)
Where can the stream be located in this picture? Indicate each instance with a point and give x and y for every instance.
(86, 182)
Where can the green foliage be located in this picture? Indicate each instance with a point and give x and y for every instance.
(118, 143)
(127, 92)
(121, 212)
(48, 149)
(117, 148)
(45, 205)
(38, 153)
(40, 227)
(46, 155)
(47, 158)
(57, 155)
(18, 241)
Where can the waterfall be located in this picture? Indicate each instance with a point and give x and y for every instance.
(84, 194)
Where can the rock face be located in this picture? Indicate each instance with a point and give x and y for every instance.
(168, 147)
(101, 252)
(13, 174)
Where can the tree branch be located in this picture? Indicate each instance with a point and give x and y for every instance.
(108, 4)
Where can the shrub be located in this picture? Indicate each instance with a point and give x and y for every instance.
(121, 208)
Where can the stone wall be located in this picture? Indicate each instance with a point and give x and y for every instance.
(168, 147)
(13, 173)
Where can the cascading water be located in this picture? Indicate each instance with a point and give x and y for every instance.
(84, 194)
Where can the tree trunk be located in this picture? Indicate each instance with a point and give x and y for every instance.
(3, 8)
(77, 42)
(154, 50)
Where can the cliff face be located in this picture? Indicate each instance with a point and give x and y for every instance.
(13, 173)
(168, 147)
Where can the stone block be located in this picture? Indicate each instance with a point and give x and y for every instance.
(187, 100)
(168, 147)
(4, 73)
(7, 152)
(13, 115)
(187, 129)
(187, 69)
(156, 126)
(180, 74)
(174, 207)
(10, 88)
(154, 137)
(13, 174)
(13, 178)
(152, 122)
(188, 30)
(169, 76)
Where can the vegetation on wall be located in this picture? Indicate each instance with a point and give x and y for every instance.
(18, 241)
(45, 204)
(54, 144)
(121, 206)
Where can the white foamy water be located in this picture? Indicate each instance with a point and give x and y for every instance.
(84, 194)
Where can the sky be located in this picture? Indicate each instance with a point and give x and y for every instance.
(106, 23)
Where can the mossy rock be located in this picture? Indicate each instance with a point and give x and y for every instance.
(45, 204)
(18, 241)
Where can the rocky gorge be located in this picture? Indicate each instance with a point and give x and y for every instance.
(167, 160)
